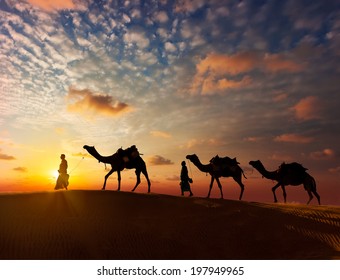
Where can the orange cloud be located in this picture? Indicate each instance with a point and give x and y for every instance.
(294, 138)
(82, 155)
(335, 170)
(51, 5)
(225, 83)
(201, 142)
(324, 154)
(209, 85)
(159, 160)
(280, 97)
(277, 63)
(220, 64)
(281, 157)
(20, 169)
(253, 139)
(162, 134)
(87, 102)
(6, 157)
(308, 108)
(217, 72)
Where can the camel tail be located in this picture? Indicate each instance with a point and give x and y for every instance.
(243, 174)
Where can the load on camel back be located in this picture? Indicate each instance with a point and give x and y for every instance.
(294, 168)
(221, 163)
(128, 155)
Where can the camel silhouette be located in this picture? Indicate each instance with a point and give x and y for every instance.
(220, 167)
(288, 174)
(121, 160)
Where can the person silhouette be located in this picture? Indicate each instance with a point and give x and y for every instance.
(185, 180)
(62, 181)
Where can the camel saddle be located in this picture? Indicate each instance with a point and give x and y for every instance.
(294, 167)
(220, 163)
(128, 154)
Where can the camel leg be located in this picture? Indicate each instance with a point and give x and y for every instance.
(145, 173)
(239, 181)
(273, 190)
(310, 196)
(313, 190)
(284, 193)
(211, 184)
(220, 187)
(107, 176)
(119, 179)
(138, 179)
(317, 196)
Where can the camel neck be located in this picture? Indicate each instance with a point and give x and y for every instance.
(267, 174)
(99, 157)
(202, 167)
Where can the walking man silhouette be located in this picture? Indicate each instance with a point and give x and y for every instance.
(62, 181)
(185, 180)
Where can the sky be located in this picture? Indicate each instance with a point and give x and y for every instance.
(246, 79)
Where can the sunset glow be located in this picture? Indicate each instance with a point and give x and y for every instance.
(256, 80)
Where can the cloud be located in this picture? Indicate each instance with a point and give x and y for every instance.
(201, 142)
(86, 102)
(279, 63)
(293, 138)
(188, 6)
(136, 37)
(50, 5)
(159, 160)
(324, 154)
(308, 108)
(170, 47)
(280, 97)
(219, 72)
(6, 157)
(253, 139)
(161, 134)
(161, 17)
(335, 170)
(82, 155)
(20, 169)
(281, 157)
(210, 85)
(220, 64)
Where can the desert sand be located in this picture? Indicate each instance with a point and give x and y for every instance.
(122, 225)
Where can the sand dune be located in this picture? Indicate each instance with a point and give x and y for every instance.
(120, 225)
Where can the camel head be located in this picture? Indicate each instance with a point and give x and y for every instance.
(256, 164)
(192, 158)
(91, 150)
(88, 148)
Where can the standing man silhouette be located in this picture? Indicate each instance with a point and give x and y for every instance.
(185, 180)
(62, 181)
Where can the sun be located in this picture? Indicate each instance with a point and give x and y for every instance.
(54, 174)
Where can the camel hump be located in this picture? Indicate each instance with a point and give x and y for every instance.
(292, 167)
(133, 151)
(129, 153)
(224, 161)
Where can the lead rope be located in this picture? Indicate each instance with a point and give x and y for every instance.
(76, 165)
(189, 168)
